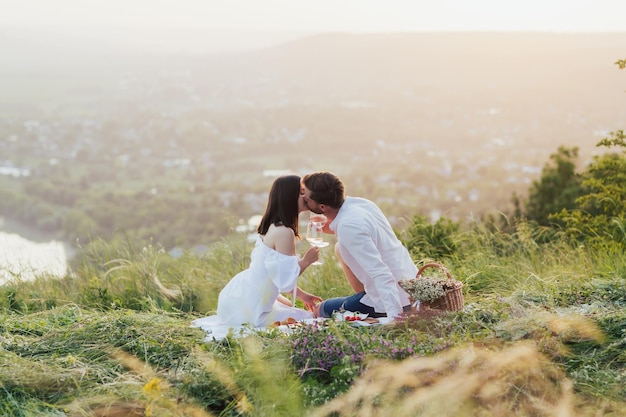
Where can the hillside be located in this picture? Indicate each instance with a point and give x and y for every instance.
(433, 123)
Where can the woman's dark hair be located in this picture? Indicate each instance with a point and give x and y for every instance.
(282, 204)
(326, 188)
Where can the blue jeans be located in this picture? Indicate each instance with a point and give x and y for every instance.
(351, 303)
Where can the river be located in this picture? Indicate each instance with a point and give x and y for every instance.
(26, 254)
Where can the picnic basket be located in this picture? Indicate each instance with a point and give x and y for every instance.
(451, 300)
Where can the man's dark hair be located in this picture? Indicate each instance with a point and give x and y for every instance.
(326, 188)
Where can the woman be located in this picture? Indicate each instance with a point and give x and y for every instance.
(253, 296)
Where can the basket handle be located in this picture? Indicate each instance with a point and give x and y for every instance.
(434, 265)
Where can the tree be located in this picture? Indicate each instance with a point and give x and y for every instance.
(600, 211)
(590, 206)
(557, 190)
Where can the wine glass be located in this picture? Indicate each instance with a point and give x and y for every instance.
(315, 237)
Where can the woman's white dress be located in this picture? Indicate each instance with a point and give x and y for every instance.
(250, 296)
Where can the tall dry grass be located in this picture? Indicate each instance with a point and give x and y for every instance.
(467, 381)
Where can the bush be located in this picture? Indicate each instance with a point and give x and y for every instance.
(426, 240)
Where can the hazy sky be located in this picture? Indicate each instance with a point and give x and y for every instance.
(180, 20)
(323, 15)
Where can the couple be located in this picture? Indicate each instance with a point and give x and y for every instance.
(372, 258)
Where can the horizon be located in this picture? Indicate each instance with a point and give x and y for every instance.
(195, 25)
(215, 41)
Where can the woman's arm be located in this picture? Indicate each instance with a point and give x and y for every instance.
(310, 301)
(284, 300)
(308, 258)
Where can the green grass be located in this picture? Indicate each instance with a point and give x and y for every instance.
(543, 334)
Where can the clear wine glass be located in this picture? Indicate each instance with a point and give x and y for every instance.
(315, 237)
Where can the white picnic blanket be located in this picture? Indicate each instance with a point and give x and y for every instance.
(218, 332)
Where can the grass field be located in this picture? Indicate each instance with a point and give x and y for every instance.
(543, 333)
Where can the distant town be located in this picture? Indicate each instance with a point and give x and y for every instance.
(184, 150)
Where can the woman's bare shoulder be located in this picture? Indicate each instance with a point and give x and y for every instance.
(278, 233)
(281, 238)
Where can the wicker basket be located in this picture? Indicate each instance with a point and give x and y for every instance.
(452, 300)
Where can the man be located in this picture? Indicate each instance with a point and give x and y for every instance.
(372, 257)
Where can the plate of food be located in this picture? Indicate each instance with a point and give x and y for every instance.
(289, 323)
(356, 318)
